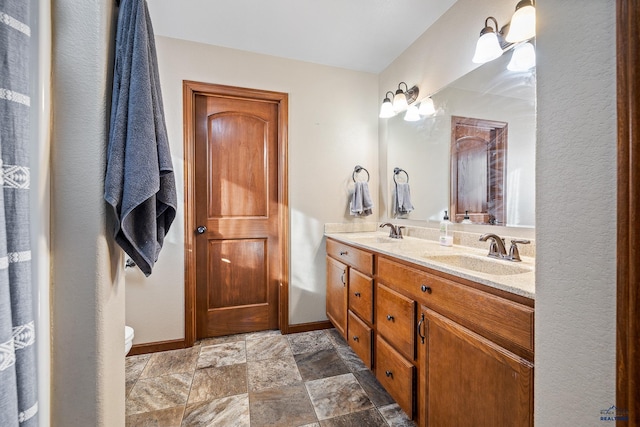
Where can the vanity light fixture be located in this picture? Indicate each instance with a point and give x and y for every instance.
(523, 22)
(488, 46)
(523, 58)
(426, 107)
(402, 99)
(386, 110)
(412, 114)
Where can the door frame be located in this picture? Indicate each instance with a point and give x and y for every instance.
(628, 233)
(189, 91)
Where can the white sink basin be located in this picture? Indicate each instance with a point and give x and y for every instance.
(480, 264)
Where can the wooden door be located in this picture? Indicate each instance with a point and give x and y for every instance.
(337, 278)
(237, 224)
(469, 380)
(478, 166)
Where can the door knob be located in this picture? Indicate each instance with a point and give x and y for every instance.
(201, 229)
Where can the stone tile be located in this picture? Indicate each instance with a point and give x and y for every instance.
(335, 396)
(351, 359)
(336, 339)
(307, 342)
(171, 362)
(283, 406)
(260, 334)
(270, 373)
(170, 417)
(224, 412)
(230, 353)
(320, 364)
(151, 394)
(222, 340)
(311, 425)
(369, 418)
(214, 383)
(267, 347)
(373, 388)
(395, 416)
(133, 367)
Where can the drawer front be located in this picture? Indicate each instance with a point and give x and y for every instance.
(395, 320)
(475, 309)
(361, 295)
(356, 258)
(360, 338)
(395, 374)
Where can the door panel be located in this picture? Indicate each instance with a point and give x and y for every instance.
(238, 257)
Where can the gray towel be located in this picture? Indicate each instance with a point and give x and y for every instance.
(403, 199)
(361, 204)
(139, 183)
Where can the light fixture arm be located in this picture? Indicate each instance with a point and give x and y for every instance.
(411, 93)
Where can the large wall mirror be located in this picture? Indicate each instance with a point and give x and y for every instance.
(477, 153)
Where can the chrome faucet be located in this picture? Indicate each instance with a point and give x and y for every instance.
(395, 231)
(498, 250)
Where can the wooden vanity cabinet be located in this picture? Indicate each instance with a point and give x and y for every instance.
(337, 276)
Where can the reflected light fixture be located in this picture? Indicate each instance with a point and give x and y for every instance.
(386, 110)
(523, 22)
(488, 46)
(523, 58)
(426, 107)
(402, 99)
(412, 114)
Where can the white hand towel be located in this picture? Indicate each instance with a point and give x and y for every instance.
(403, 199)
(361, 204)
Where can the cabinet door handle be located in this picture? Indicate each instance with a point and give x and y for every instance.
(355, 338)
(388, 374)
(425, 288)
(344, 252)
(357, 294)
(389, 317)
(342, 278)
(420, 323)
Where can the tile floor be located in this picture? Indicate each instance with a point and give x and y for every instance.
(311, 379)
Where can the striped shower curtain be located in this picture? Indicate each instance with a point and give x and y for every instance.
(18, 383)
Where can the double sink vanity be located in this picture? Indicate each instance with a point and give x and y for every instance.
(448, 331)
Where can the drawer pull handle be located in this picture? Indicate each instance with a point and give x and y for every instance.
(357, 294)
(425, 288)
(389, 318)
(344, 252)
(355, 338)
(388, 374)
(342, 278)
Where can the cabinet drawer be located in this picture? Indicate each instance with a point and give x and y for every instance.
(475, 309)
(356, 258)
(395, 374)
(361, 295)
(359, 337)
(395, 319)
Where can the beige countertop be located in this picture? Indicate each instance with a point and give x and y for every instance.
(462, 261)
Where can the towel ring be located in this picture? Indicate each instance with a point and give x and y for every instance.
(396, 171)
(357, 170)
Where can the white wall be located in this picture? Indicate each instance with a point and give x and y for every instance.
(87, 293)
(332, 127)
(576, 212)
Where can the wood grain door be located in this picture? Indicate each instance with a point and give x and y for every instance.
(238, 246)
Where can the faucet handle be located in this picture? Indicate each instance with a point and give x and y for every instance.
(514, 254)
(399, 231)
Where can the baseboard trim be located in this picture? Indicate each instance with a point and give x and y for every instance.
(306, 327)
(154, 347)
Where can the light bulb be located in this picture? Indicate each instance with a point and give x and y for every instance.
(412, 114)
(523, 23)
(488, 48)
(386, 110)
(426, 107)
(523, 58)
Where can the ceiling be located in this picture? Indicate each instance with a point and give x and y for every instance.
(362, 35)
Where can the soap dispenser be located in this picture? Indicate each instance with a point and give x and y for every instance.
(466, 219)
(446, 239)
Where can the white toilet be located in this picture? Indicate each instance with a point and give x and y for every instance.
(128, 339)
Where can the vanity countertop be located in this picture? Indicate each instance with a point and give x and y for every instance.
(515, 277)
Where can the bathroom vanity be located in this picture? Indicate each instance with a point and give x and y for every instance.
(448, 332)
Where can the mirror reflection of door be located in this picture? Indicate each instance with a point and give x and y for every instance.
(478, 164)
